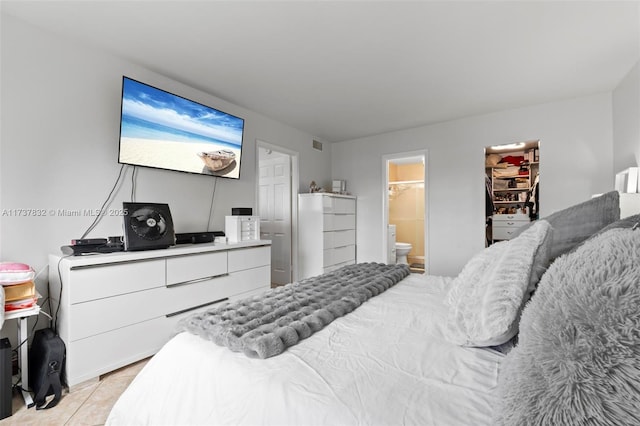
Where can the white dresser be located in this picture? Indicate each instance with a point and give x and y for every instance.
(506, 225)
(327, 233)
(118, 308)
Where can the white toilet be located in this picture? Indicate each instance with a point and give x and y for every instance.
(402, 250)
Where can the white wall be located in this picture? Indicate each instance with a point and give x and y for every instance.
(626, 121)
(59, 143)
(576, 161)
(59, 111)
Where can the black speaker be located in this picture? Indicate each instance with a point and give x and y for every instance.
(241, 211)
(5, 378)
(196, 237)
(147, 226)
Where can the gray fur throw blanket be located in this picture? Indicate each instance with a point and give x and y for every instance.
(266, 324)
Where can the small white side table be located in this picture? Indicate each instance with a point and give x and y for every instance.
(23, 347)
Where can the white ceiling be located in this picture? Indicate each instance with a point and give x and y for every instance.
(344, 70)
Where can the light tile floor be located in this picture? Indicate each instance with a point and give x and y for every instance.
(89, 404)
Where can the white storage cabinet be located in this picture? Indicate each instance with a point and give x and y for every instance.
(242, 228)
(506, 225)
(119, 308)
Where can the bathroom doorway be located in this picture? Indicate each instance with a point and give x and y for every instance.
(405, 209)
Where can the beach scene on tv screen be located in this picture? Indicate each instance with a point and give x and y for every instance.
(162, 130)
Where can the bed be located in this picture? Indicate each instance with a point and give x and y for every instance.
(432, 350)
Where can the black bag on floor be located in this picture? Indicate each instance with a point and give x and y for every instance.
(46, 363)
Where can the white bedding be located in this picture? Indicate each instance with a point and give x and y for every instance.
(386, 363)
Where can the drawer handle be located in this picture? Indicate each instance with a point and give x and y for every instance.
(342, 247)
(173, 314)
(198, 280)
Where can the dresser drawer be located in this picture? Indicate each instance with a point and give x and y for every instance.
(338, 255)
(196, 266)
(99, 316)
(96, 355)
(251, 280)
(504, 232)
(249, 258)
(339, 205)
(187, 298)
(513, 224)
(248, 225)
(97, 282)
(334, 239)
(501, 218)
(338, 222)
(190, 297)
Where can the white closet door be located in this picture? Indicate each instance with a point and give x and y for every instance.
(275, 214)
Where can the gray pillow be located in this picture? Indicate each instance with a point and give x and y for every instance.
(627, 222)
(485, 300)
(575, 224)
(578, 356)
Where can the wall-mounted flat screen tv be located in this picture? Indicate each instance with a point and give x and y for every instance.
(161, 130)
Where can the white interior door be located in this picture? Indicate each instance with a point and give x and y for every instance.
(274, 205)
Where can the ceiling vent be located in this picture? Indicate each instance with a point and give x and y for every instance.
(317, 145)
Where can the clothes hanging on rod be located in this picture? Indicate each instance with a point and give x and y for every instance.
(488, 197)
(533, 198)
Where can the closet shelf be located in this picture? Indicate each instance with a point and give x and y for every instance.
(511, 177)
(498, 168)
